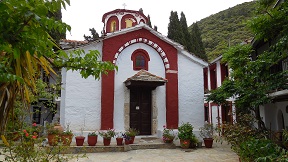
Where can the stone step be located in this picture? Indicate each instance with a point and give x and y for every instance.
(139, 143)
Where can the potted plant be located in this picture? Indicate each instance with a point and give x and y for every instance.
(53, 135)
(80, 139)
(168, 135)
(107, 135)
(66, 137)
(193, 141)
(119, 139)
(92, 138)
(185, 133)
(206, 132)
(126, 139)
(132, 132)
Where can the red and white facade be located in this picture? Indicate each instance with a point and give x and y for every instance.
(115, 100)
(214, 75)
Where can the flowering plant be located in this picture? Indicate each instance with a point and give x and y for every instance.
(126, 137)
(168, 134)
(185, 144)
(31, 132)
(132, 132)
(110, 133)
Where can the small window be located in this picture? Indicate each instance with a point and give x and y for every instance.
(140, 59)
(128, 23)
(113, 26)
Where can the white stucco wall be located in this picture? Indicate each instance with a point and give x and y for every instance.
(125, 70)
(81, 99)
(269, 113)
(191, 92)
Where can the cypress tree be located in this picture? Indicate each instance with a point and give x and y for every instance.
(174, 29)
(197, 44)
(94, 36)
(149, 21)
(187, 38)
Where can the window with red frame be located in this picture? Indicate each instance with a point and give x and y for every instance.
(140, 59)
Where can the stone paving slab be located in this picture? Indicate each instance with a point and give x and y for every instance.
(219, 153)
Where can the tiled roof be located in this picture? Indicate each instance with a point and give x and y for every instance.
(144, 75)
(66, 43)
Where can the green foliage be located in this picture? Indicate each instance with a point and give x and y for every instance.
(174, 29)
(168, 134)
(94, 36)
(253, 148)
(185, 131)
(207, 131)
(92, 133)
(242, 130)
(196, 42)
(110, 133)
(30, 148)
(227, 26)
(67, 132)
(186, 35)
(26, 47)
(132, 132)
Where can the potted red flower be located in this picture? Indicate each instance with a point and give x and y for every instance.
(168, 135)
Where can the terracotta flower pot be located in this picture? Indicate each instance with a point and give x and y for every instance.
(127, 142)
(66, 139)
(79, 140)
(184, 143)
(106, 141)
(53, 139)
(208, 142)
(132, 139)
(119, 141)
(168, 141)
(92, 140)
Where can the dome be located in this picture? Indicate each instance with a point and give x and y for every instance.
(121, 18)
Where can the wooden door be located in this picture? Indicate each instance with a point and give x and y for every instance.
(140, 110)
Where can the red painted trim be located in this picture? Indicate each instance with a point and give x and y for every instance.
(143, 53)
(111, 47)
(205, 75)
(172, 111)
(107, 100)
(118, 11)
(213, 76)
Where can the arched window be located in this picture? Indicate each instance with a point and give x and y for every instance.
(113, 26)
(128, 23)
(140, 59)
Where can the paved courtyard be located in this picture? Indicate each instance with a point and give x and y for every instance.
(219, 153)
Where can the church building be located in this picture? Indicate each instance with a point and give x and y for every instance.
(157, 83)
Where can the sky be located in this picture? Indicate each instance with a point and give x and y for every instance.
(84, 14)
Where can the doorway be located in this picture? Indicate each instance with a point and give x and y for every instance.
(140, 110)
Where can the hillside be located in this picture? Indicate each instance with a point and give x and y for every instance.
(224, 28)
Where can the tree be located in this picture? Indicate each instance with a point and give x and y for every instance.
(26, 46)
(94, 36)
(251, 81)
(197, 45)
(174, 29)
(187, 38)
(149, 21)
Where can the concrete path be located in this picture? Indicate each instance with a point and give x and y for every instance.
(219, 153)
